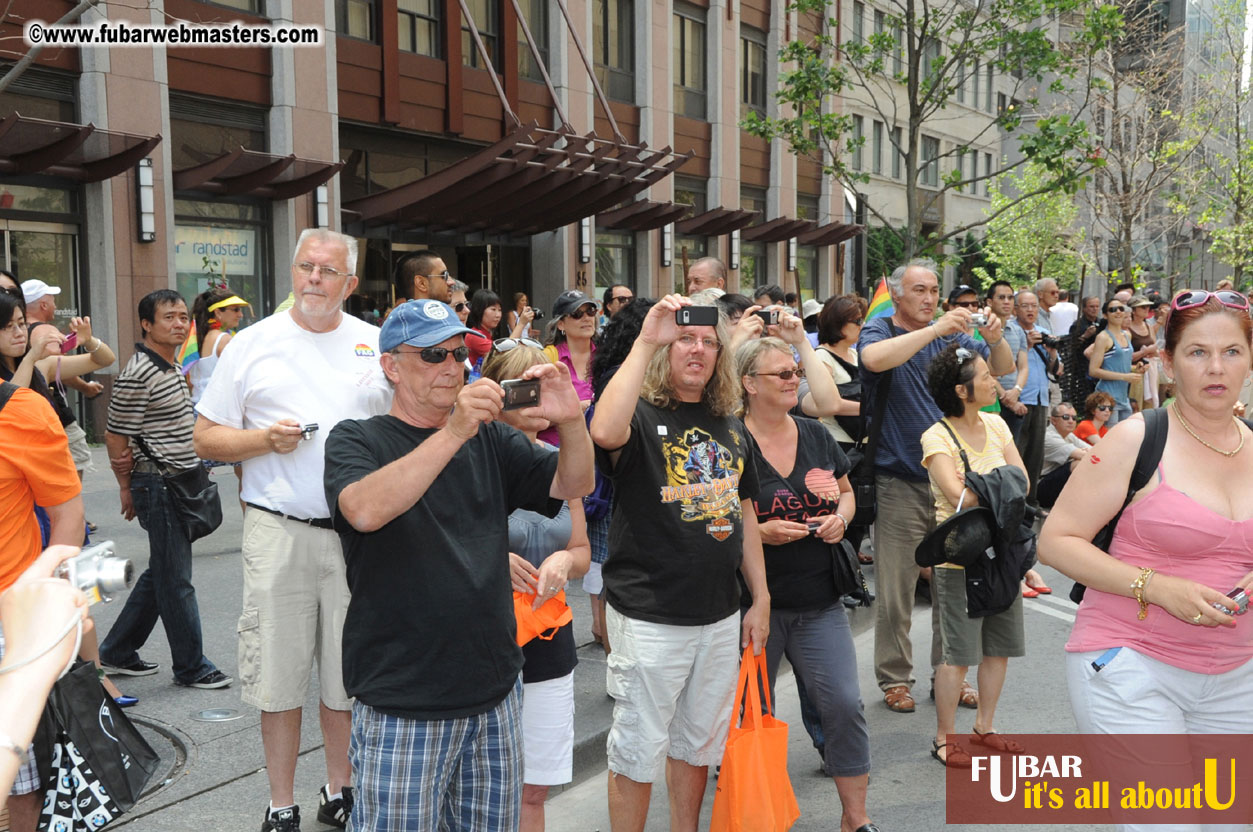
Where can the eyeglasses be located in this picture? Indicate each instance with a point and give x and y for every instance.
(582, 311)
(1104, 407)
(437, 355)
(1193, 298)
(785, 375)
(689, 341)
(507, 344)
(963, 355)
(308, 268)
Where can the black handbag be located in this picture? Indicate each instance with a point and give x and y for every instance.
(97, 764)
(194, 494)
(862, 476)
(849, 580)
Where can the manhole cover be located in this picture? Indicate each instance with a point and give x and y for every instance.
(217, 715)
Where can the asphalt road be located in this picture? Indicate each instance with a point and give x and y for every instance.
(215, 777)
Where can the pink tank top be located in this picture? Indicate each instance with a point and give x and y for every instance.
(1172, 533)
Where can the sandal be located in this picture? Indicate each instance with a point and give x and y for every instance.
(969, 697)
(899, 699)
(997, 743)
(957, 757)
(863, 558)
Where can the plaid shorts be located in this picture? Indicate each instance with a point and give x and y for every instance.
(458, 775)
(27, 779)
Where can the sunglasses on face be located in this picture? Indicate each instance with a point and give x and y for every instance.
(1104, 407)
(461, 307)
(1066, 417)
(444, 274)
(1114, 309)
(622, 299)
(438, 355)
(967, 304)
(507, 344)
(1198, 297)
(786, 375)
(581, 312)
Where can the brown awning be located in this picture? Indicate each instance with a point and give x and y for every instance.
(250, 173)
(830, 234)
(530, 181)
(642, 215)
(716, 222)
(777, 230)
(75, 151)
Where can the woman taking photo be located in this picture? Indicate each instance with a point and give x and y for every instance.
(839, 325)
(961, 384)
(545, 553)
(1110, 360)
(807, 501)
(1155, 618)
(485, 317)
(1097, 409)
(521, 313)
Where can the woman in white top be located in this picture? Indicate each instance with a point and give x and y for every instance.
(217, 313)
(521, 312)
(839, 325)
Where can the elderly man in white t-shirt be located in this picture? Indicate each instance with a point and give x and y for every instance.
(279, 388)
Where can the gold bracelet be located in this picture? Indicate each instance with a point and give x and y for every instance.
(1137, 589)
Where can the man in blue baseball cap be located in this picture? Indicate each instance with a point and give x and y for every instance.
(421, 498)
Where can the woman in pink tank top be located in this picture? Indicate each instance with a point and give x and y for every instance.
(1157, 646)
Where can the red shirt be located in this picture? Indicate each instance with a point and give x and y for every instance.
(479, 342)
(1086, 430)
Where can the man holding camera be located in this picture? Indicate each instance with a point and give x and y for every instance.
(683, 468)
(149, 435)
(278, 389)
(421, 499)
(1041, 359)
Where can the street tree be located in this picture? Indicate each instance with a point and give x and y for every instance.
(915, 64)
(1034, 237)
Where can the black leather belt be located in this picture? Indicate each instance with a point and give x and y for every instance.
(316, 522)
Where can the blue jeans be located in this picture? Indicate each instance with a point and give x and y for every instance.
(1122, 410)
(163, 591)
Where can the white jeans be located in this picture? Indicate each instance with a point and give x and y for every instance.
(1135, 694)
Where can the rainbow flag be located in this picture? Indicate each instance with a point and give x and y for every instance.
(881, 302)
(189, 353)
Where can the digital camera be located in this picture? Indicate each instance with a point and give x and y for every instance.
(98, 572)
(978, 319)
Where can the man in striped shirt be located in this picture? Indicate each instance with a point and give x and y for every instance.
(151, 401)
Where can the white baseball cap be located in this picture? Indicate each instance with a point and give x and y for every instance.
(33, 290)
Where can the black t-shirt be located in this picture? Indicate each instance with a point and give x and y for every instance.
(799, 574)
(677, 533)
(430, 631)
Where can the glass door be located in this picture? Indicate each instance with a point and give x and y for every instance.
(47, 252)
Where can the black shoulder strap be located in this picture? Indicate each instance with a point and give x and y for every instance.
(1156, 426)
(875, 425)
(7, 389)
(961, 450)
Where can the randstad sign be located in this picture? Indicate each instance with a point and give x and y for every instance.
(233, 247)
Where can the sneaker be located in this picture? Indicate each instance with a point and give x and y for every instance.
(139, 667)
(287, 820)
(210, 681)
(335, 812)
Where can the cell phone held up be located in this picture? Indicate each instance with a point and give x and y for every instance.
(520, 393)
(70, 342)
(696, 316)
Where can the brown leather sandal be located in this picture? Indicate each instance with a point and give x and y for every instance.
(969, 697)
(899, 699)
(954, 756)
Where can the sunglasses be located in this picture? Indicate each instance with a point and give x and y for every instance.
(785, 375)
(1104, 407)
(1114, 309)
(1066, 417)
(582, 312)
(461, 307)
(966, 304)
(622, 299)
(438, 355)
(1193, 298)
(963, 355)
(507, 344)
(444, 274)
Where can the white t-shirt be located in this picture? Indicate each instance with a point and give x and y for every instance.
(840, 376)
(276, 370)
(1063, 316)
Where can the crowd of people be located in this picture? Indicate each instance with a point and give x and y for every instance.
(700, 475)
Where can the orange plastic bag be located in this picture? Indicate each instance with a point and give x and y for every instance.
(544, 622)
(754, 791)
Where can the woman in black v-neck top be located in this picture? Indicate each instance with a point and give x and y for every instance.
(803, 506)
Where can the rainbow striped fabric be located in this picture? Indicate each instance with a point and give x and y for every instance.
(189, 353)
(881, 302)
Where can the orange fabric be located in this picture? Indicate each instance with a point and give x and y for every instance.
(754, 792)
(544, 622)
(1086, 429)
(35, 467)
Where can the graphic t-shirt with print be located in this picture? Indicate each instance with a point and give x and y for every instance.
(677, 533)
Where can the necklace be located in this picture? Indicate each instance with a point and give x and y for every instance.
(1175, 407)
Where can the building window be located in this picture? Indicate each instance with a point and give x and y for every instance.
(898, 36)
(206, 128)
(690, 191)
(806, 207)
(974, 171)
(959, 166)
(987, 88)
(876, 148)
(253, 6)
(689, 61)
(931, 58)
(974, 87)
(752, 71)
(880, 22)
(613, 29)
(929, 174)
(536, 14)
(355, 18)
(418, 26)
(807, 272)
(615, 259)
(961, 83)
(898, 152)
(859, 22)
(987, 171)
(486, 15)
(237, 228)
(859, 138)
(753, 269)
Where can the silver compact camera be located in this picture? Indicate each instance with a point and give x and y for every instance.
(1241, 600)
(98, 572)
(307, 431)
(978, 319)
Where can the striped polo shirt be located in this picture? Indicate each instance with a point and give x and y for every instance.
(151, 398)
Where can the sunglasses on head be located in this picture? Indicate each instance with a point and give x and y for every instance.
(438, 355)
(963, 355)
(1192, 298)
(507, 344)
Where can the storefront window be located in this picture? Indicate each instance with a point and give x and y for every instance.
(220, 242)
(807, 272)
(615, 259)
(752, 267)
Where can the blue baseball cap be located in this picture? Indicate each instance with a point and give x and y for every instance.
(420, 323)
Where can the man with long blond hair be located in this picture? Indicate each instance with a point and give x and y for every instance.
(682, 466)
